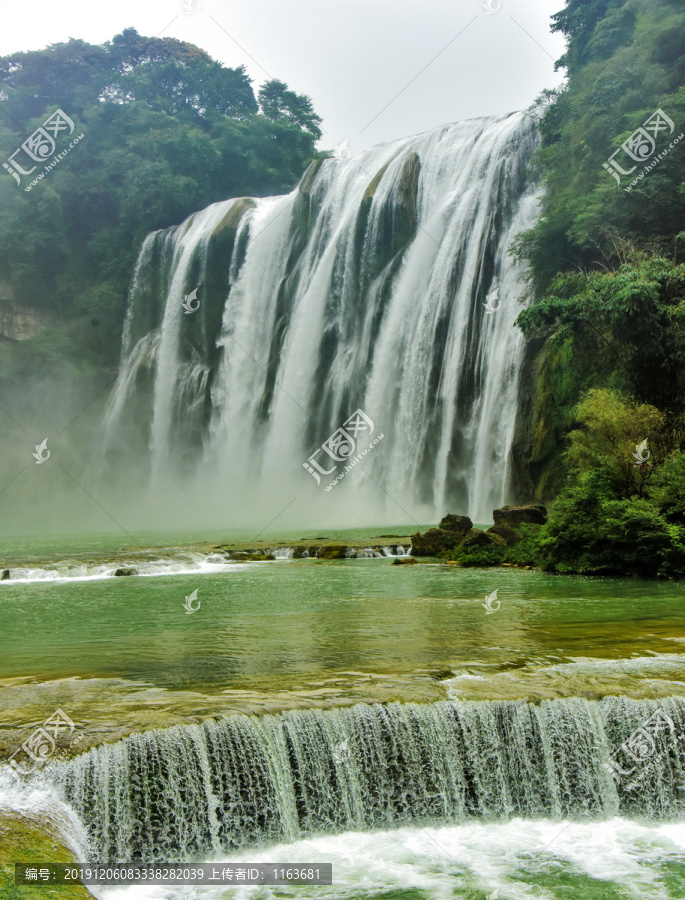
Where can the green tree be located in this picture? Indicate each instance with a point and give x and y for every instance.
(624, 60)
(609, 437)
(280, 104)
(168, 130)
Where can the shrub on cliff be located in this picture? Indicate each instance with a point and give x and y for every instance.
(622, 509)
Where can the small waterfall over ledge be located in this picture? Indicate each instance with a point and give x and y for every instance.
(194, 791)
(365, 288)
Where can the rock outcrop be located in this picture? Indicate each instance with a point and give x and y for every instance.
(458, 531)
(508, 534)
(452, 531)
(529, 514)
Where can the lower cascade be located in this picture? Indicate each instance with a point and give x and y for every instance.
(382, 283)
(194, 791)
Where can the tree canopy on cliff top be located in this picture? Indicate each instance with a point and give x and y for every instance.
(625, 60)
(167, 130)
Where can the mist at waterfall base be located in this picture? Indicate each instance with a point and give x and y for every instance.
(363, 289)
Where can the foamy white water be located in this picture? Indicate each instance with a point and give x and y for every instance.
(521, 860)
(364, 288)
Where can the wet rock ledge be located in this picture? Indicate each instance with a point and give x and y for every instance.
(457, 532)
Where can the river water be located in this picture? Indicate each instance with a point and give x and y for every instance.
(122, 655)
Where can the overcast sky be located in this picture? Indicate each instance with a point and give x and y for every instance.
(375, 69)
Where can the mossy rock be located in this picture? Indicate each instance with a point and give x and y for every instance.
(434, 541)
(529, 514)
(476, 538)
(506, 533)
(122, 573)
(334, 551)
(28, 839)
(456, 524)
(405, 561)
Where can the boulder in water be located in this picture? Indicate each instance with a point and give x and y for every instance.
(5, 575)
(434, 541)
(405, 561)
(529, 513)
(123, 572)
(452, 531)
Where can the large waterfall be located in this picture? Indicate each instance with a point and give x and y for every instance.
(382, 283)
(193, 791)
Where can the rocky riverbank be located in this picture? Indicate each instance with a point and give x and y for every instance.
(457, 538)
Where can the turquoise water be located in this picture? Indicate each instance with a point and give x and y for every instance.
(123, 654)
(272, 635)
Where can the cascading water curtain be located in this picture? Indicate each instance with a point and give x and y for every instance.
(383, 283)
(192, 790)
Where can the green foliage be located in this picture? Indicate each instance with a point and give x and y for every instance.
(477, 557)
(667, 489)
(616, 516)
(625, 59)
(592, 535)
(631, 322)
(524, 553)
(607, 441)
(619, 330)
(167, 130)
(282, 105)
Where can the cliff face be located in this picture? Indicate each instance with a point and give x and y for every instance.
(19, 322)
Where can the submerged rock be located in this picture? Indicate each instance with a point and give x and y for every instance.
(405, 561)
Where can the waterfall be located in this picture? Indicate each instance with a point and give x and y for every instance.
(365, 288)
(191, 791)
